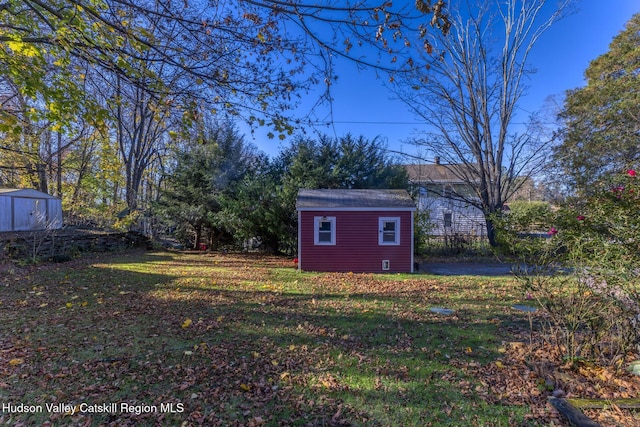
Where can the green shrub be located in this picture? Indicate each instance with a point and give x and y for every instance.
(587, 271)
(529, 217)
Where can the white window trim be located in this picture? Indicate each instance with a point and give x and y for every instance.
(381, 221)
(316, 230)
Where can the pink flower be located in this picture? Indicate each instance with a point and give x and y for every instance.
(631, 172)
(618, 190)
(581, 217)
(552, 232)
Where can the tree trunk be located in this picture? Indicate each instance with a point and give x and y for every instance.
(573, 415)
(198, 230)
(491, 231)
(622, 403)
(42, 177)
(82, 170)
(59, 169)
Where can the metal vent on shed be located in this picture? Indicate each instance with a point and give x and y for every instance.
(386, 265)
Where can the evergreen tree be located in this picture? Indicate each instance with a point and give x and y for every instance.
(346, 162)
(205, 173)
(262, 205)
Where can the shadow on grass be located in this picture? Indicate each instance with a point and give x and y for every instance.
(128, 330)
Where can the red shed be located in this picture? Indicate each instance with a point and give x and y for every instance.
(355, 230)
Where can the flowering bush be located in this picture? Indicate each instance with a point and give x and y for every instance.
(587, 272)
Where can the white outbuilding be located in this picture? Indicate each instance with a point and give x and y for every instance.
(27, 209)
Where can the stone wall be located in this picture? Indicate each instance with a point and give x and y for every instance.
(59, 245)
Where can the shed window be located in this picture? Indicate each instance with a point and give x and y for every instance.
(389, 231)
(325, 230)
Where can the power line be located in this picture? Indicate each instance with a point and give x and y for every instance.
(367, 122)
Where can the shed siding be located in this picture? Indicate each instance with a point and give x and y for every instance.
(29, 214)
(6, 214)
(54, 214)
(27, 210)
(356, 247)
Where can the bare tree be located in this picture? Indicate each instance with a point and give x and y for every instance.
(468, 92)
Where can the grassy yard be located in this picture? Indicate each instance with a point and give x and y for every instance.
(157, 338)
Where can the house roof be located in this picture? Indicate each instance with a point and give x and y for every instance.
(354, 199)
(25, 192)
(437, 173)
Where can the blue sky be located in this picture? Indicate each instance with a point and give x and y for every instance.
(363, 106)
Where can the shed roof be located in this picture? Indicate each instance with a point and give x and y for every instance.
(25, 192)
(354, 199)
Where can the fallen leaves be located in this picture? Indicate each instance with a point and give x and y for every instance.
(528, 376)
(248, 341)
(16, 361)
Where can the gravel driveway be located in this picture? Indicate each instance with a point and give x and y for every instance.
(467, 269)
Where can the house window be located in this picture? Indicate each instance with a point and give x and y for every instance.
(448, 219)
(389, 231)
(325, 230)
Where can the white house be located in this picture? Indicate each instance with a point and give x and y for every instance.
(437, 184)
(27, 209)
(445, 195)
